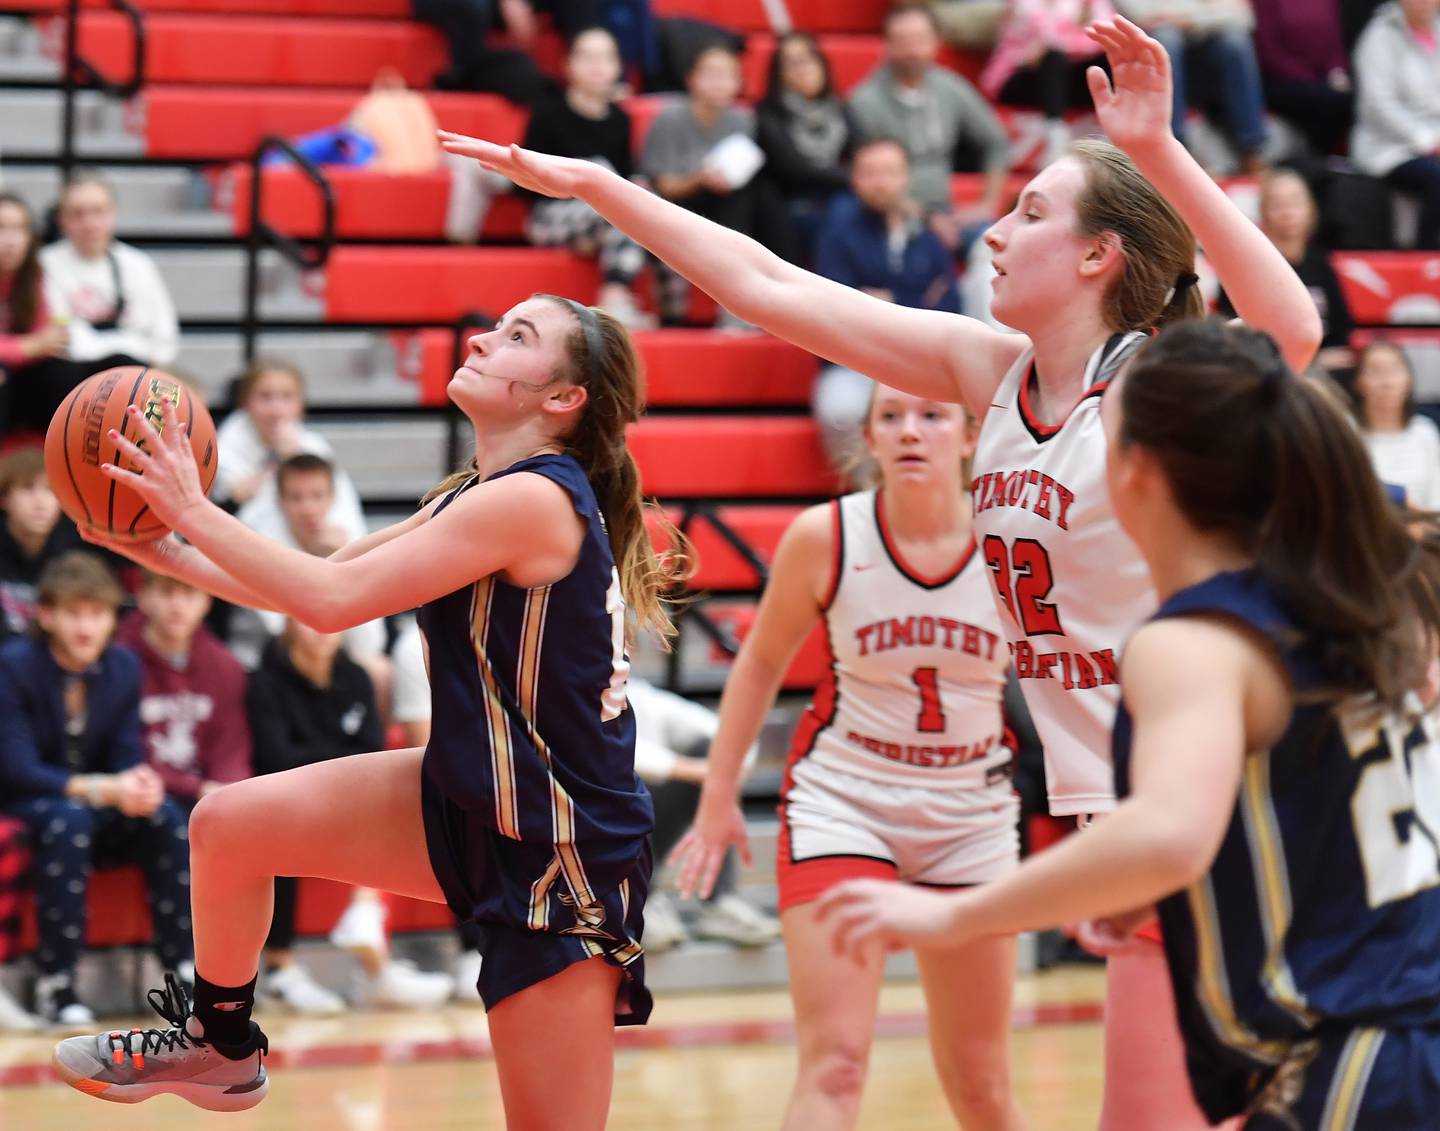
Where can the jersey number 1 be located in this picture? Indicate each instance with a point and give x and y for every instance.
(932, 715)
(1023, 580)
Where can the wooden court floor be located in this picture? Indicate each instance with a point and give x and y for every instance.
(707, 1062)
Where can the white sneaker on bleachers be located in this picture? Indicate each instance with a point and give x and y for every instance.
(293, 987)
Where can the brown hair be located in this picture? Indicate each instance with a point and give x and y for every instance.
(908, 8)
(1252, 451)
(257, 369)
(20, 468)
(303, 463)
(616, 391)
(1157, 284)
(1407, 410)
(24, 300)
(78, 575)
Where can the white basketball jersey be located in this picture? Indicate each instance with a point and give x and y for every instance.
(918, 665)
(1071, 585)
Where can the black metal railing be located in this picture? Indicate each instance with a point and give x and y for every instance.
(80, 72)
(308, 255)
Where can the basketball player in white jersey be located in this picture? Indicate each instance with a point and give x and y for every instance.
(899, 767)
(1099, 249)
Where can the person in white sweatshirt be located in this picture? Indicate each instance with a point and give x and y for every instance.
(112, 295)
(1397, 111)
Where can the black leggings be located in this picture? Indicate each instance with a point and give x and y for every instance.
(1054, 84)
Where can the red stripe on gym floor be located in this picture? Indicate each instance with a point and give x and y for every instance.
(694, 1035)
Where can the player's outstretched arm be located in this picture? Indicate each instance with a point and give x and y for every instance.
(931, 354)
(1134, 108)
(523, 525)
(172, 558)
(788, 610)
(1186, 683)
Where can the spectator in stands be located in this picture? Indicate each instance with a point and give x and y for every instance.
(1397, 114)
(877, 242)
(672, 740)
(931, 111)
(310, 703)
(14, 866)
(32, 533)
(807, 135)
(32, 344)
(690, 158)
(1304, 69)
(1210, 48)
(1288, 215)
(1404, 444)
(584, 121)
(192, 691)
(267, 427)
(72, 769)
(306, 488)
(971, 25)
(1041, 60)
(118, 306)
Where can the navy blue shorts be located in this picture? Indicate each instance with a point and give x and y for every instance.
(1356, 1080)
(541, 908)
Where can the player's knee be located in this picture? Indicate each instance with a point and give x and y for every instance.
(979, 1092)
(212, 824)
(838, 1072)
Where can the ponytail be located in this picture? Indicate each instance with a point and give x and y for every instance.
(1271, 459)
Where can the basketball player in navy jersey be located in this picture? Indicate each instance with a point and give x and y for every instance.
(1278, 757)
(1098, 252)
(524, 812)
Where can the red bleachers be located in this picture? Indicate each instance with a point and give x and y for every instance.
(440, 284)
(224, 123)
(810, 663)
(730, 456)
(263, 50)
(368, 205)
(717, 564)
(371, 9)
(682, 367)
(1382, 287)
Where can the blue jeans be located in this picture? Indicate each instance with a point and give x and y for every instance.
(1227, 64)
(1421, 176)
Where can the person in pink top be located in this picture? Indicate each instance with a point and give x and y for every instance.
(28, 337)
(1041, 58)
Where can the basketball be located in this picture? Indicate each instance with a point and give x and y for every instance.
(77, 443)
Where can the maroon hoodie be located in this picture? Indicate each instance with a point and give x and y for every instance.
(194, 720)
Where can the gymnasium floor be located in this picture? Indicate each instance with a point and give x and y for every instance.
(707, 1062)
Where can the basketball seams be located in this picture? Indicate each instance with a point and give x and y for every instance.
(124, 423)
(70, 471)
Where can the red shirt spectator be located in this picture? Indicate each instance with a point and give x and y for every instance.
(192, 705)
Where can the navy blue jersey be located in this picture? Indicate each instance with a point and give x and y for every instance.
(536, 819)
(1320, 916)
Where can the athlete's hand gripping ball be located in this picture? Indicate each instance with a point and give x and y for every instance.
(167, 477)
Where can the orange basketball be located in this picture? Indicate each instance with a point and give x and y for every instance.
(78, 442)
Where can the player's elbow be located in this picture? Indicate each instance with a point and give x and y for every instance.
(1180, 855)
(1303, 338)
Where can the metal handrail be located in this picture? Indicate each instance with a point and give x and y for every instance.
(307, 255)
(78, 70)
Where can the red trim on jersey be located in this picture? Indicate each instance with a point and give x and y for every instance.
(1150, 932)
(1045, 431)
(899, 562)
(837, 555)
(805, 881)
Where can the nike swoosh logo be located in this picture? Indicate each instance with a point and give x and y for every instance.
(862, 568)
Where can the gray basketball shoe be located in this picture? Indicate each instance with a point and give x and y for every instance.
(127, 1067)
